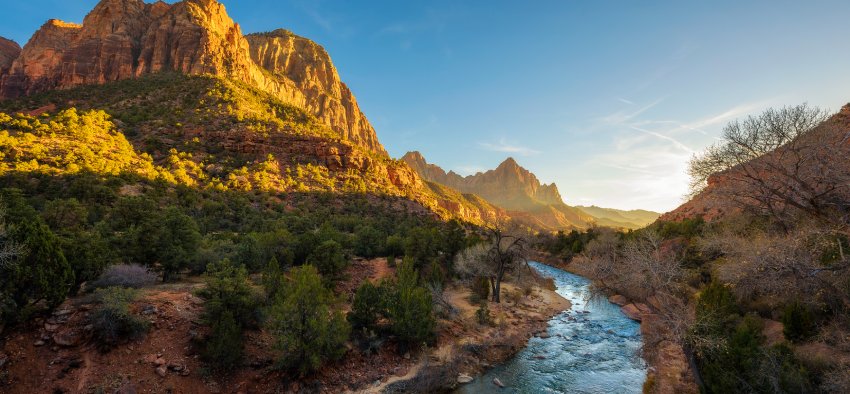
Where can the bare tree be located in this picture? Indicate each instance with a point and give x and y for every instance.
(603, 259)
(785, 266)
(504, 252)
(781, 163)
(10, 252)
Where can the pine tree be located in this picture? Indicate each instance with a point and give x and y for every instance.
(411, 309)
(308, 331)
(272, 278)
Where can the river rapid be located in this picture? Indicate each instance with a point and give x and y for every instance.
(592, 348)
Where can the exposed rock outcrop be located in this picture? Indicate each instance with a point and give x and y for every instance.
(511, 187)
(308, 65)
(122, 39)
(9, 51)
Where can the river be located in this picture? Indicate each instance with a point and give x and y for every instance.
(595, 352)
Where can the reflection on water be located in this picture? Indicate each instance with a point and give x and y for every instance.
(593, 352)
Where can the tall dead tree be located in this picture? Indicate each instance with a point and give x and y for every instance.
(504, 252)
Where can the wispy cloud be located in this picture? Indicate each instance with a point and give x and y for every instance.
(622, 117)
(508, 147)
(645, 163)
(311, 9)
(432, 20)
(674, 141)
(622, 100)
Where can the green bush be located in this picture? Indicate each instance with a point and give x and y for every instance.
(480, 287)
(308, 331)
(482, 315)
(38, 271)
(368, 306)
(330, 260)
(224, 345)
(410, 308)
(112, 322)
(169, 241)
(229, 308)
(272, 278)
(798, 322)
(228, 290)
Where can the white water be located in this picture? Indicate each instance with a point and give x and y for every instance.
(594, 352)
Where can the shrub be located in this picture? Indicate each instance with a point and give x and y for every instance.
(228, 290)
(230, 307)
(368, 306)
(308, 331)
(38, 270)
(482, 315)
(329, 259)
(391, 261)
(112, 321)
(410, 308)
(272, 278)
(480, 290)
(436, 274)
(169, 240)
(224, 345)
(798, 322)
(514, 296)
(126, 275)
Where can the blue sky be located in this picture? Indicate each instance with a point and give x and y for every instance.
(608, 99)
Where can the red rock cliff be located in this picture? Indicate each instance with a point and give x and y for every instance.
(123, 39)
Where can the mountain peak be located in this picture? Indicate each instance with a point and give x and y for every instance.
(126, 39)
(414, 155)
(509, 163)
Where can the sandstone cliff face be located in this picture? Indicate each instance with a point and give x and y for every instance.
(308, 65)
(123, 39)
(9, 51)
(511, 187)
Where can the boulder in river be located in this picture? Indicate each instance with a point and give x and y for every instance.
(635, 311)
(464, 378)
(618, 300)
(498, 382)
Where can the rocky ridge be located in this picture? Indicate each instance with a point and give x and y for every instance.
(122, 39)
(511, 187)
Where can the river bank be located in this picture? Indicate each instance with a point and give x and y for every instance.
(669, 371)
(593, 348)
(467, 348)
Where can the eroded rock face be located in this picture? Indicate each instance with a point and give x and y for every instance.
(309, 67)
(511, 187)
(123, 39)
(9, 51)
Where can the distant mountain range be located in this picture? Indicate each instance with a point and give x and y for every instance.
(526, 199)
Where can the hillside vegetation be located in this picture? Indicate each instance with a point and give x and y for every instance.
(756, 294)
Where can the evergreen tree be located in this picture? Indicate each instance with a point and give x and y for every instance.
(224, 345)
(309, 332)
(272, 278)
(329, 259)
(410, 309)
(228, 290)
(368, 306)
(40, 271)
